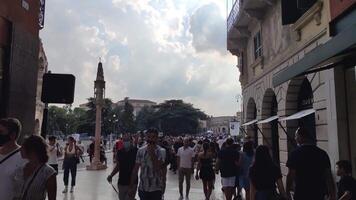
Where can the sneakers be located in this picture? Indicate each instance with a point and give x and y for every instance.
(65, 189)
(181, 198)
(71, 189)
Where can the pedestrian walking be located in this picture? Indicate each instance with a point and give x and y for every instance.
(264, 175)
(71, 159)
(346, 187)
(185, 160)
(150, 158)
(167, 161)
(309, 170)
(227, 163)
(205, 170)
(246, 158)
(10, 156)
(54, 152)
(91, 150)
(125, 163)
(35, 180)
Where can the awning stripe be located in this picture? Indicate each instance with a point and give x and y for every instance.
(298, 115)
(268, 120)
(250, 122)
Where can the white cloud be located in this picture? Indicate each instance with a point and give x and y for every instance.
(150, 49)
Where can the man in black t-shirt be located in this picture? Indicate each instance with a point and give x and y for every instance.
(227, 163)
(309, 170)
(125, 162)
(346, 187)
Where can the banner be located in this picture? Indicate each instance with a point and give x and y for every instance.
(234, 128)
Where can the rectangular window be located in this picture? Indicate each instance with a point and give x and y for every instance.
(292, 10)
(257, 45)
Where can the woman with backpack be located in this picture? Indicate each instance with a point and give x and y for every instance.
(72, 155)
(264, 175)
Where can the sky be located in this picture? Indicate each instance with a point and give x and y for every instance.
(150, 49)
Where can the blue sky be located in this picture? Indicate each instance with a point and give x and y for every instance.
(151, 49)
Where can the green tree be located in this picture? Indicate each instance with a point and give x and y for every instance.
(146, 118)
(126, 119)
(173, 117)
(106, 115)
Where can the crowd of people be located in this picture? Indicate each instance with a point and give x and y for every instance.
(29, 172)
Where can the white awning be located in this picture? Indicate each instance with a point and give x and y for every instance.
(298, 115)
(268, 120)
(250, 122)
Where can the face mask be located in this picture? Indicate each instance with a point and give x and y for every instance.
(4, 139)
(127, 145)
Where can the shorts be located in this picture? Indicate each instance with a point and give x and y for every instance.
(228, 181)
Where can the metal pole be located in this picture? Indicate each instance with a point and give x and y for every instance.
(288, 137)
(44, 121)
(263, 136)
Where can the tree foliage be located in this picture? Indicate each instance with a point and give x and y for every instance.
(126, 119)
(172, 117)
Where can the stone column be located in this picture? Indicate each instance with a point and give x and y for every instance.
(99, 89)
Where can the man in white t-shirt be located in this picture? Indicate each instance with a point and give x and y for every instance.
(186, 165)
(10, 156)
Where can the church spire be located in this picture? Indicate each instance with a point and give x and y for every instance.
(100, 73)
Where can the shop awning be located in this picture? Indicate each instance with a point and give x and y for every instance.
(250, 122)
(268, 120)
(322, 55)
(298, 115)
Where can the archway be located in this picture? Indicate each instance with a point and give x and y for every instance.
(299, 97)
(270, 127)
(251, 114)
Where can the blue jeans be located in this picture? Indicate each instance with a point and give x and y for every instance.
(155, 195)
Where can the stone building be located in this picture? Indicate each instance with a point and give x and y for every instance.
(20, 23)
(220, 125)
(42, 69)
(137, 104)
(288, 57)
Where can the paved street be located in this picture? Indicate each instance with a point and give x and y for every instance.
(92, 185)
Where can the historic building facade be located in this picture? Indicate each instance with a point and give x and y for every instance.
(42, 69)
(137, 104)
(286, 83)
(220, 124)
(20, 23)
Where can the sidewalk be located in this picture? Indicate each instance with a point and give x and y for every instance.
(92, 185)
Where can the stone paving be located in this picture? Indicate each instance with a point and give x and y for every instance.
(92, 185)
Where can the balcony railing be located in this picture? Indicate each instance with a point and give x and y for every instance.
(234, 13)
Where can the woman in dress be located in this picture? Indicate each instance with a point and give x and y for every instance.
(264, 176)
(35, 178)
(71, 159)
(205, 170)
